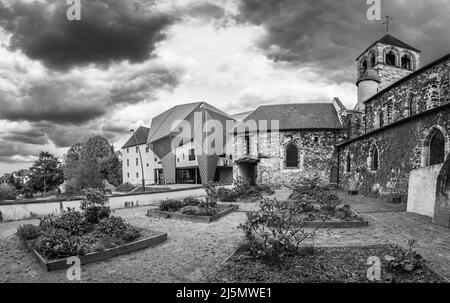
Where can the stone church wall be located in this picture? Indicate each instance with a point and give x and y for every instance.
(317, 155)
(400, 151)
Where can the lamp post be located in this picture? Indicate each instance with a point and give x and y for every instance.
(140, 156)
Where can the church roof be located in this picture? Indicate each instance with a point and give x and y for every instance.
(162, 124)
(298, 116)
(391, 40)
(141, 135)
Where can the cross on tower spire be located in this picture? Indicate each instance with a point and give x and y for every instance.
(388, 20)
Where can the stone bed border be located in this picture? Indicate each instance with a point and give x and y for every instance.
(99, 255)
(206, 219)
(333, 224)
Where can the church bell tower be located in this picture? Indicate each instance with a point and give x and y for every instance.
(385, 62)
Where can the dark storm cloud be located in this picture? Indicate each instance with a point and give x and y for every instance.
(109, 30)
(58, 102)
(330, 34)
(8, 150)
(141, 85)
(29, 137)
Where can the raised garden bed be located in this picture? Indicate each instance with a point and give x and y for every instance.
(223, 211)
(325, 265)
(320, 207)
(354, 220)
(145, 242)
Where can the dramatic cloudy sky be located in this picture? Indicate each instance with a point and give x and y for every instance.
(125, 61)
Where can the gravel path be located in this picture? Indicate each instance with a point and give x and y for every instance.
(194, 250)
(191, 252)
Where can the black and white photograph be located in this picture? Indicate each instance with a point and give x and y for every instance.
(212, 143)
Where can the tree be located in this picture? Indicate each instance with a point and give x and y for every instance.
(88, 164)
(46, 174)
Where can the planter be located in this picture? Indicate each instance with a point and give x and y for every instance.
(207, 219)
(334, 224)
(51, 265)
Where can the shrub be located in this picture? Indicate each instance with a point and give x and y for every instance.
(191, 201)
(57, 244)
(125, 187)
(170, 205)
(94, 205)
(211, 195)
(131, 233)
(345, 213)
(226, 195)
(71, 221)
(116, 227)
(94, 214)
(404, 262)
(7, 192)
(112, 226)
(191, 210)
(27, 232)
(269, 231)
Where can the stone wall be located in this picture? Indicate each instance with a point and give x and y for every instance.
(400, 151)
(316, 154)
(427, 90)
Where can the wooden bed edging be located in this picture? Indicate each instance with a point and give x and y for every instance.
(207, 219)
(99, 255)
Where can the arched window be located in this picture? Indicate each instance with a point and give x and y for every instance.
(437, 148)
(292, 156)
(390, 58)
(412, 105)
(364, 67)
(349, 164)
(381, 118)
(434, 146)
(372, 60)
(373, 158)
(406, 62)
(389, 113)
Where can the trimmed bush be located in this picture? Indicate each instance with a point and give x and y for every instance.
(226, 195)
(58, 244)
(27, 232)
(191, 201)
(191, 210)
(71, 221)
(170, 205)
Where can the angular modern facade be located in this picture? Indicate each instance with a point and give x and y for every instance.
(176, 137)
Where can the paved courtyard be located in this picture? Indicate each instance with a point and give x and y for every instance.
(193, 250)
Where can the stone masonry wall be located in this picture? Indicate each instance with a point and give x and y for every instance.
(428, 90)
(400, 151)
(317, 155)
